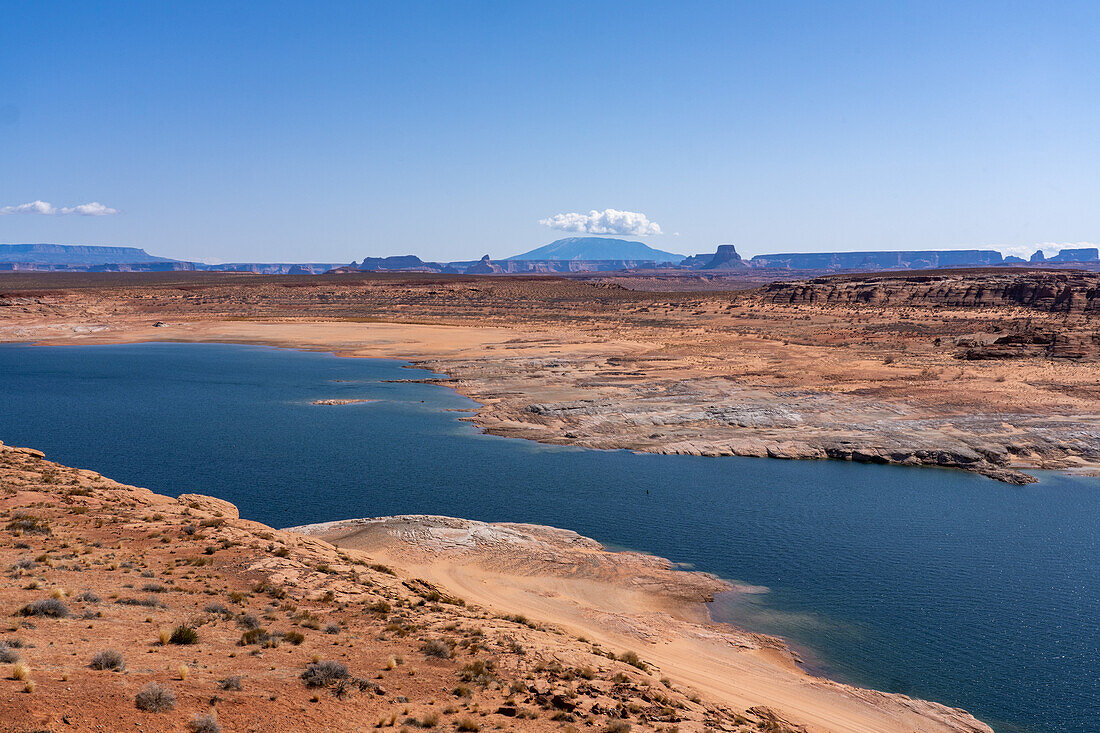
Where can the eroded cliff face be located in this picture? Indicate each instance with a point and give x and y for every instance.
(1048, 291)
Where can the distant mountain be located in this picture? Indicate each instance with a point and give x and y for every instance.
(75, 254)
(93, 258)
(597, 248)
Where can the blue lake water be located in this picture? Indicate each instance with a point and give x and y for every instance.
(935, 583)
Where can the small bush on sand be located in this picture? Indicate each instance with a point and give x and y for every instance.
(248, 621)
(154, 698)
(230, 684)
(437, 648)
(633, 660)
(294, 637)
(467, 725)
(88, 597)
(52, 607)
(20, 671)
(255, 636)
(218, 608)
(324, 673)
(109, 659)
(28, 523)
(184, 634)
(204, 724)
(7, 654)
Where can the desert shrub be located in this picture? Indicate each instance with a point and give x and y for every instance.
(294, 637)
(7, 654)
(52, 607)
(28, 523)
(153, 588)
(467, 725)
(633, 660)
(380, 607)
(155, 698)
(437, 648)
(109, 659)
(88, 597)
(184, 634)
(332, 628)
(145, 602)
(232, 683)
(218, 608)
(382, 569)
(24, 563)
(618, 726)
(324, 673)
(248, 621)
(429, 720)
(204, 724)
(257, 635)
(20, 671)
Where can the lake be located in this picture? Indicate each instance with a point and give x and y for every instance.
(935, 583)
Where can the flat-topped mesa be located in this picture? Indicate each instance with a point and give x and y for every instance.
(1080, 254)
(899, 260)
(1046, 291)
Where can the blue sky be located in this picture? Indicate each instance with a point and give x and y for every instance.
(330, 131)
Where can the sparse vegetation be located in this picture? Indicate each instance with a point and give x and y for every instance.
(184, 634)
(20, 671)
(204, 724)
(231, 684)
(155, 698)
(8, 655)
(51, 607)
(437, 648)
(324, 673)
(108, 659)
(22, 522)
(633, 660)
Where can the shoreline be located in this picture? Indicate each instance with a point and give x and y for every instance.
(485, 418)
(613, 600)
(916, 378)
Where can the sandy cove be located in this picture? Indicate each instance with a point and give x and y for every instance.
(491, 625)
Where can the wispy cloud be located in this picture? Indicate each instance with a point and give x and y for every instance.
(608, 221)
(1048, 248)
(45, 208)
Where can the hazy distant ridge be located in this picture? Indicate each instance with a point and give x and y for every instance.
(597, 248)
(75, 254)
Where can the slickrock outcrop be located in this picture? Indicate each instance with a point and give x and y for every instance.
(1049, 291)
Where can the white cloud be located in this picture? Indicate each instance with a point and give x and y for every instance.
(608, 221)
(93, 208)
(1048, 248)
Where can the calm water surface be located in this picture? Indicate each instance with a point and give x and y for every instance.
(930, 582)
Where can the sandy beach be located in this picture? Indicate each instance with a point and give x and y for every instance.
(567, 630)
